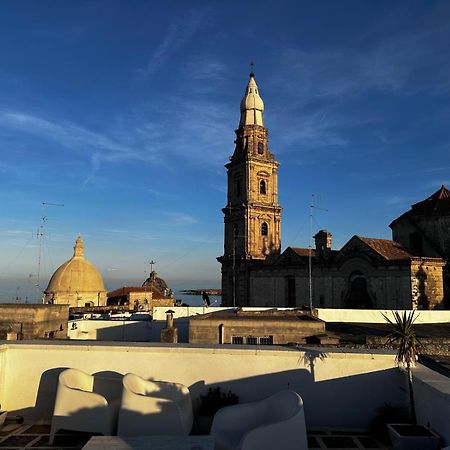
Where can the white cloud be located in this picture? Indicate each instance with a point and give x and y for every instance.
(179, 32)
(177, 218)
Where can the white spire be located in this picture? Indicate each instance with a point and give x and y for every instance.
(252, 106)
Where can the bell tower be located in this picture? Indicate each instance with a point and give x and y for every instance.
(252, 214)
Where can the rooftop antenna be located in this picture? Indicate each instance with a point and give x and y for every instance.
(312, 206)
(40, 236)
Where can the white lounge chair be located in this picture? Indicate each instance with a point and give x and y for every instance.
(277, 422)
(78, 408)
(154, 408)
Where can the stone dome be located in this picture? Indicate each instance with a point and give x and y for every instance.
(77, 281)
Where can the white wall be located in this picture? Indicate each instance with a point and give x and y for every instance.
(326, 314)
(340, 388)
(110, 330)
(432, 396)
(376, 315)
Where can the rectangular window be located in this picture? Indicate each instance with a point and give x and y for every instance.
(237, 340)
(266, 340)
(252, 340)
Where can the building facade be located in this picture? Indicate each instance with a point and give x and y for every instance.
(366, 273)
(252, 215)
(410, 271)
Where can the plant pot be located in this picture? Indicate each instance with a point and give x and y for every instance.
(2, 418)
(412, 437)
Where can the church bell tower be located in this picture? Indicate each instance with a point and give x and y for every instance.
(252, 214)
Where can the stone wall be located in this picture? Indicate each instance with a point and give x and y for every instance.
(388, 286)
(427, 287)
(34, 321)
(222, 329)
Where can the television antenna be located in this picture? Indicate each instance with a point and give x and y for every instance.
(40, 236)
(312, 206)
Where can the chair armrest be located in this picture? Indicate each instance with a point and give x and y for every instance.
(239, 416)
(72, 400)
(267, 437)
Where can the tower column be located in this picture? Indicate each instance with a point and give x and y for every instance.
(252, 215)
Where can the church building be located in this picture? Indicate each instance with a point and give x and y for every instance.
(410, 271)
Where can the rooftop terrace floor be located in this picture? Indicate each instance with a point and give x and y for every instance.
(30, 436)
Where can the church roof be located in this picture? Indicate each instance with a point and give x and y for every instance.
(437, 204)
(76, 275)
(303, 251)
(389, 250)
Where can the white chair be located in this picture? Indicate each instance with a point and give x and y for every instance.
(154, 408)
(78, 408)
(277, 422)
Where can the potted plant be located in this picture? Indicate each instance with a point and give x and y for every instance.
(408, 436)
(210, 404)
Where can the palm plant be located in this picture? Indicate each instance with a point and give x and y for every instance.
(403, 335)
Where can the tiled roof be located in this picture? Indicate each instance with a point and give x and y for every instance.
(436, 204)
(303, 251)
(124, 291)
(389, 250)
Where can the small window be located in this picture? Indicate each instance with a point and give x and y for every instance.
(262, 187)
(238, 188)
(264, 229)
(236, 231)
(260, 148)
(237, 340)
(266, 340)
(252, 340)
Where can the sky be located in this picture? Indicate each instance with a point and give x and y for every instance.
(124, 112)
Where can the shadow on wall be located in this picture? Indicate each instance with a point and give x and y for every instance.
(145, 331)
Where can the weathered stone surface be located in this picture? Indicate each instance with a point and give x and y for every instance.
(34, 321)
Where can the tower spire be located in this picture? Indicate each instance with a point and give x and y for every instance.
(252, 105)
(78, 249)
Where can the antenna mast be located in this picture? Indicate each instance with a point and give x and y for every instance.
(312, 206)
(40, 236)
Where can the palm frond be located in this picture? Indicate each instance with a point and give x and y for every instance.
(403, 334)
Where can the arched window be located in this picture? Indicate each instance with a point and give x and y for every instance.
(262, 187)
(264, 229)
(260, 148)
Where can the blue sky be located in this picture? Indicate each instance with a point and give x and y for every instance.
(125, 111)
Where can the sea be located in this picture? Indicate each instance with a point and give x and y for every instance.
(20, 290)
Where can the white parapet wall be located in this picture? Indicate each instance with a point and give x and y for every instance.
(340, 388)
(325, 314)
(432, 396)
(376, 315)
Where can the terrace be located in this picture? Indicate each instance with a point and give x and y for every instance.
(341, 388)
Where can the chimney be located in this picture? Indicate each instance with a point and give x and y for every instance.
(323, 244)
(170, 333)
